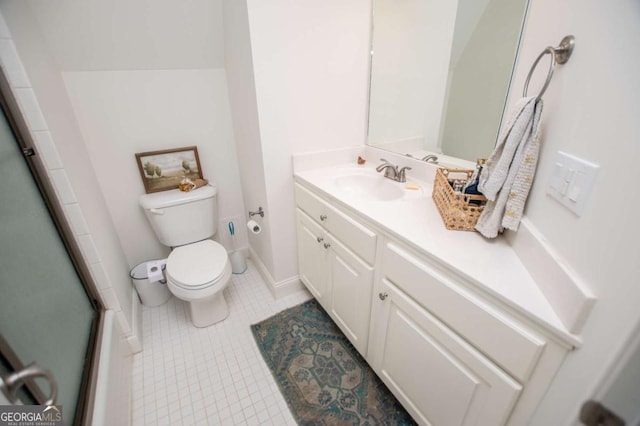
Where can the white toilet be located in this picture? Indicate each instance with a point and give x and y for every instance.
(198, 269)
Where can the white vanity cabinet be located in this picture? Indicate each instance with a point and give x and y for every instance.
(335, 257)
(451, 352)
(451, 355)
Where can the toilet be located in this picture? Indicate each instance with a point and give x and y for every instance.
(198, 268)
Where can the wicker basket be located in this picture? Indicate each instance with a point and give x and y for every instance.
(459, 211)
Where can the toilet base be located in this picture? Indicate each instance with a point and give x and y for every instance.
(208, 312)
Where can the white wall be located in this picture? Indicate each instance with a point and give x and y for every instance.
(124, 112)
(412, 45)
(143, 76)
(132, 34)
(310, 72)
(310, 65)
(244, 108)
(591, 110)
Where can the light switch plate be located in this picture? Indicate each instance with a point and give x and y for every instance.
(572, 181)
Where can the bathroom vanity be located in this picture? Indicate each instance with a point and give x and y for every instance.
(453, 324)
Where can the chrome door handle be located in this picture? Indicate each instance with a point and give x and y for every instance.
(13, 381)
(383, 296)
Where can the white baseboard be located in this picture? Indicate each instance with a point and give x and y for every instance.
(277, 289)
(568, 295)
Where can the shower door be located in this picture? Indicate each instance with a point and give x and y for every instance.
(46, 314)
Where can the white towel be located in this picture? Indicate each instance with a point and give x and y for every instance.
(508, 173)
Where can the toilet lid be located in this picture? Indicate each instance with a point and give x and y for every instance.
(197, 264)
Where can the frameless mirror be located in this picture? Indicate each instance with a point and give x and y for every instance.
(440, 74)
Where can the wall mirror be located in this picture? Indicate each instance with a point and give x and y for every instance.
(440, 74)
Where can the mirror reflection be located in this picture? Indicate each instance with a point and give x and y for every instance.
(440, 74)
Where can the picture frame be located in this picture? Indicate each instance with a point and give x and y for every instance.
(163, 170)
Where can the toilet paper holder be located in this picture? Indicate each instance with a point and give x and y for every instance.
(260, 212)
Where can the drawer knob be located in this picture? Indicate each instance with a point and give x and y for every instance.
(383, 296)
(320, 239)
(323, 217)
(327, 245)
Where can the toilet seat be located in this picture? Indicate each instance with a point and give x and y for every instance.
(197, 266)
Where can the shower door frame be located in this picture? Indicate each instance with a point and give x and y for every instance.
(86, 394)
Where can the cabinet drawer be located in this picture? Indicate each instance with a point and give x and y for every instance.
(358, 238)
(514, 349)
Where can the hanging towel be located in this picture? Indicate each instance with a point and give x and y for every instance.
(496, 168)
(508, 173)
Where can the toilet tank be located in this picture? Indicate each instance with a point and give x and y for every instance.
(180, 218)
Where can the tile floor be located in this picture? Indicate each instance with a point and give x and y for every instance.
(214, 375)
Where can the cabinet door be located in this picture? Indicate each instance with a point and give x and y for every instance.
(312, 257)
(437, 376)
(351, 285)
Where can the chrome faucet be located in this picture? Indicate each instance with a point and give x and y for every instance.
(392, 172)
(430, 158)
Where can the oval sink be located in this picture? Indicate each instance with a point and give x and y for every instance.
(374, 187)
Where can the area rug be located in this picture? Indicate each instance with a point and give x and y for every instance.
(322, 376)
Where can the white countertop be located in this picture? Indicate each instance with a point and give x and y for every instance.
(491, 265)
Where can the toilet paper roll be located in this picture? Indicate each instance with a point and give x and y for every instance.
(154, 271)
(254, 227)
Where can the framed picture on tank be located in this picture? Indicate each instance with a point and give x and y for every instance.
(163, 170)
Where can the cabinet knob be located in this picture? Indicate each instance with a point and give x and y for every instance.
(383, 296)
(323, 217)
(327, 245)
(320, 239)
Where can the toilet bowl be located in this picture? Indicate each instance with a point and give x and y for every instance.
(198, 273)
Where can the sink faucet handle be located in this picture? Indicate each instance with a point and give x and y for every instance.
(402, 174)
(385, 165)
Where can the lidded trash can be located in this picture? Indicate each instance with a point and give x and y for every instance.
(151, 293)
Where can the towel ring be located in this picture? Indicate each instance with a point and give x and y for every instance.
(560, 55)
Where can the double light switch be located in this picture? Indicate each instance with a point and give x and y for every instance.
(572, 181)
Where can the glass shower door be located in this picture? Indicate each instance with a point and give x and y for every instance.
(46, 316)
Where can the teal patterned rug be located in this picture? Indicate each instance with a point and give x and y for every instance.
(322, 376)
